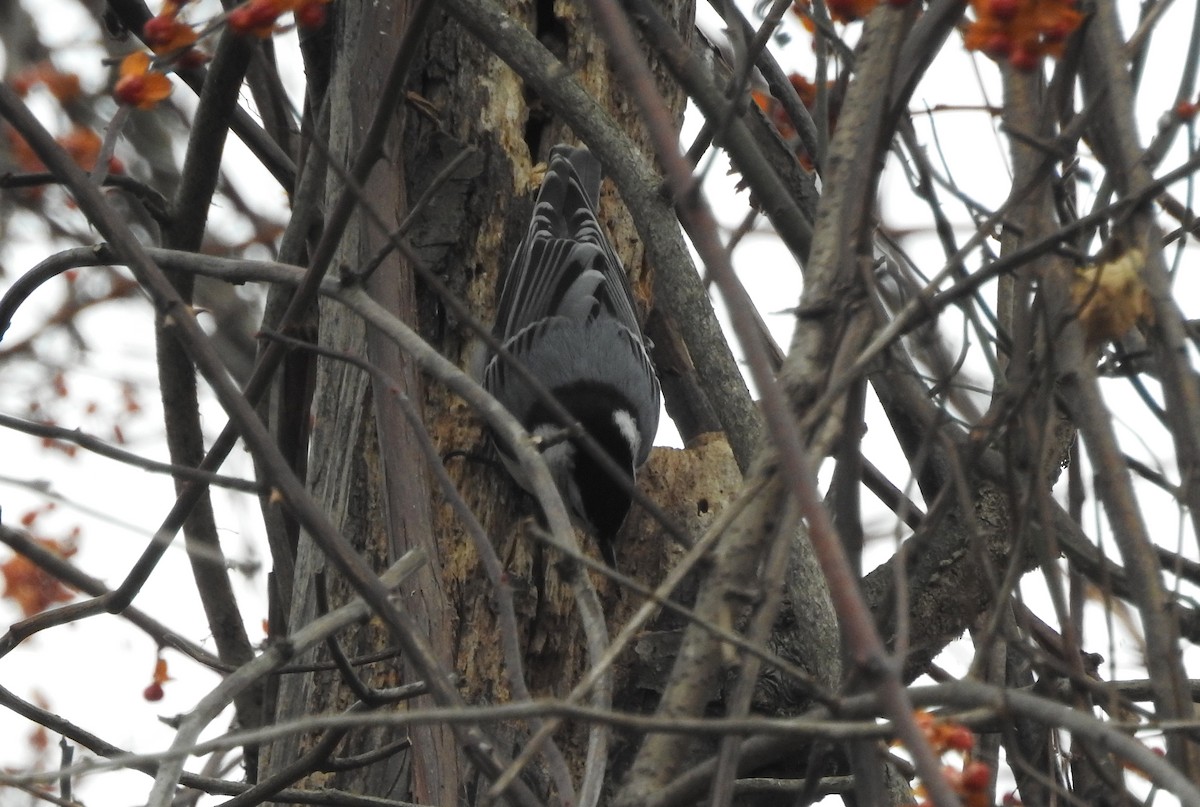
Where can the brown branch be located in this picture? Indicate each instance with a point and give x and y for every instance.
(828, 327)
(677, 287)
(134, 14)
(1117, 148)
(757, 152)
(981, 702)
(339, 551)
(177, 379)
(510, 635)
(68, 573)
(56, 724)
(105, 449)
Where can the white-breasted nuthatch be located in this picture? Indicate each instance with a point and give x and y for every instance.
(566, 313)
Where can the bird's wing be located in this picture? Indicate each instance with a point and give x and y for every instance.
(603, 351)
(565, 265)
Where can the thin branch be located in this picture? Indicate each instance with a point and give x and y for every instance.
(274, 657)
(677, 287)
(510, 638)
(65, 571)
(105, 449)
(772, 736)
(205, 784)
(344, 557)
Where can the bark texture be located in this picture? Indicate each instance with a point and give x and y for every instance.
(364, 464)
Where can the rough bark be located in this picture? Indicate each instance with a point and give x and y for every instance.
(364, 465)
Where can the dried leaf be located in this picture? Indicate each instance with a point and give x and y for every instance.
(1111, 297)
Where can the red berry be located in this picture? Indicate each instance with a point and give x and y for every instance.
(191, 59)
(310, 15)
(158, 30)
(1004, 9)
(242, 20)
(1057, 32)
(154, 692)
(1024, 58)
(976, 776)
(256, 17)
(842, 10)
(262, 12)
(998, 46)
(960, 738)
(130, 90)
(22, 83)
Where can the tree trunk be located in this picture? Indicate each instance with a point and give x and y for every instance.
(366, 468)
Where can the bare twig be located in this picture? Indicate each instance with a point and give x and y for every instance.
(340, 552)
(105, 449)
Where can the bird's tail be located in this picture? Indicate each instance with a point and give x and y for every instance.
(585, 167)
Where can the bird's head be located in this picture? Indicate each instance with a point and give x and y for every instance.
(593, 494)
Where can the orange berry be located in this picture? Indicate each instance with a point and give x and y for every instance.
(63, 86)
(138, 86)
(160, 671)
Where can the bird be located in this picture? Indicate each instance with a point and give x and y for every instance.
(566, 312)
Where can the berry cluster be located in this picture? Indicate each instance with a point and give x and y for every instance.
(64, 87)
(844, 11)
(142, 82)
(29, 585)
(82, 142)
(1022, 31)
(972, 779)
(258, 17)
(807, 91)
